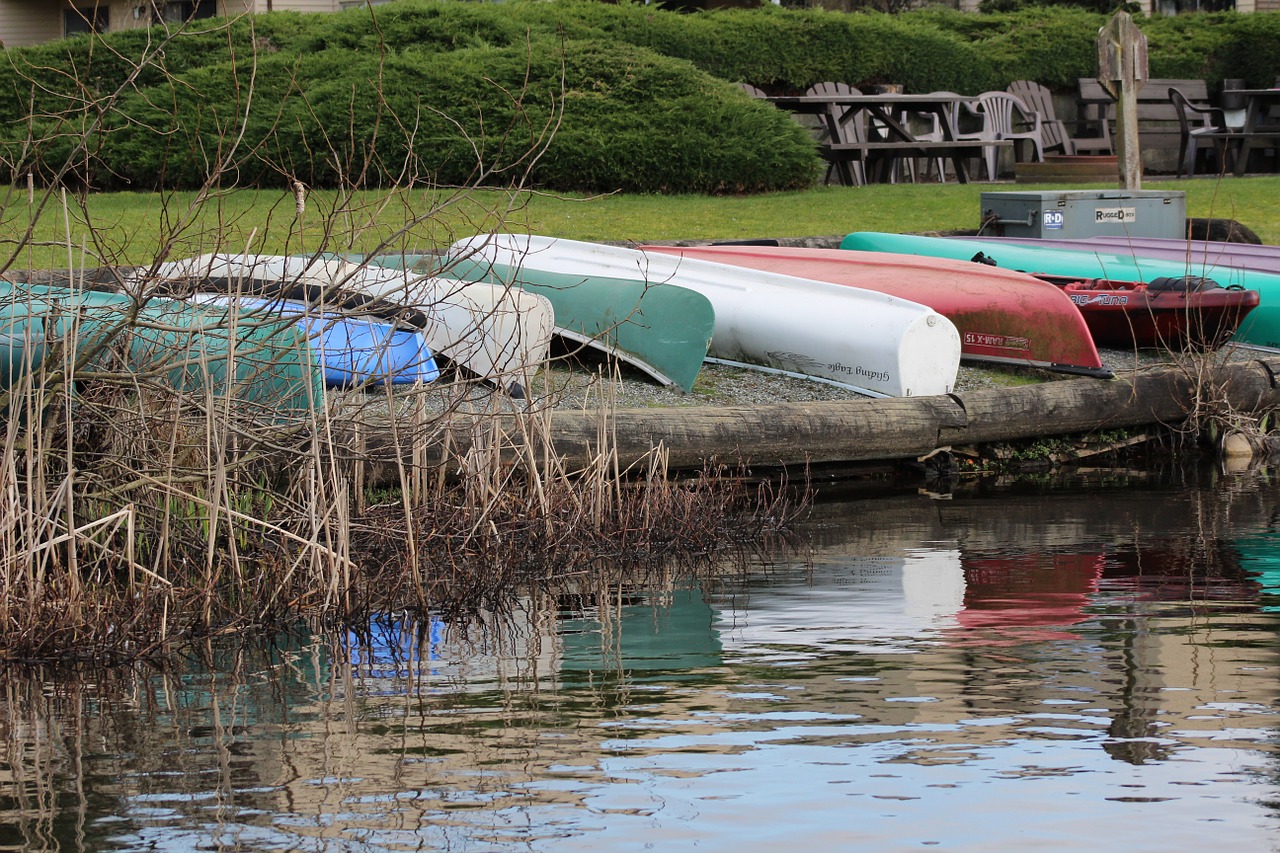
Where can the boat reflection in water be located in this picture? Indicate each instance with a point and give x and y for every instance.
(1025, 598)
(854, 604)
(1089, 666)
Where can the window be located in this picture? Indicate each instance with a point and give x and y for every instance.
(89, 19)
(181, 11)
(1173, 7)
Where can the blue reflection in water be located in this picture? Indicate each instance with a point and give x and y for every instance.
(1049, 671)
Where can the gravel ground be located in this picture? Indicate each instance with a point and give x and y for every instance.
(718, 385)
(582, 385)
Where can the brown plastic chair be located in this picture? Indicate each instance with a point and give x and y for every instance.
(1197, 125)
(924, 166)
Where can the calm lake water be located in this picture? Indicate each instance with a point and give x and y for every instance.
(1091, 664)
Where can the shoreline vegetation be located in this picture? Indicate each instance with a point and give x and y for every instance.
(141, 516)
(148, 501)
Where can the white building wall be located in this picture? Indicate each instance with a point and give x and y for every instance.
(29, 22)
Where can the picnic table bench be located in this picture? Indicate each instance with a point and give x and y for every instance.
(846, 115)
(1159, 133)
(879, 157)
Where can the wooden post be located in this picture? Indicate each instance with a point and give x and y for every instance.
(1122, 71)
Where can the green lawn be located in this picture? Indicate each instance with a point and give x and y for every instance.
(131, 228)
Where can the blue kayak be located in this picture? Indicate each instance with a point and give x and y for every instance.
(1260, 328)
(352, 350)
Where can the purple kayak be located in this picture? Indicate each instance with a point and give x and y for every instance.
(1198, 255)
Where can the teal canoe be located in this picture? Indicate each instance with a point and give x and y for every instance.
(1259, 328)
(661, 329)
(265, 365)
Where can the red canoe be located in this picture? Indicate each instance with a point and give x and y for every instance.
(1173, 313)
(1003, 316)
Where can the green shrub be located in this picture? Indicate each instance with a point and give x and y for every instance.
(1188, 46)
(1249, 49)
(463, 91)
(1053, 46)
(627, 120)
(415, 25)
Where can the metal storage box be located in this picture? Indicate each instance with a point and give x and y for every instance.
(1074, 214)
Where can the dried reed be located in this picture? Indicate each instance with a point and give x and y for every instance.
(140, 513)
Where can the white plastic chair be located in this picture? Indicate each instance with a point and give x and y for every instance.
(1003, 116)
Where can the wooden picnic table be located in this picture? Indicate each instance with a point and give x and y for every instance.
(887, 113)
(1259, 129)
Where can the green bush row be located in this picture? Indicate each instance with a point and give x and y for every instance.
(569, 95)
(574, 115)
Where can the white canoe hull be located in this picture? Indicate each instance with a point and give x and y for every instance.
(869, 342)
(499, 334)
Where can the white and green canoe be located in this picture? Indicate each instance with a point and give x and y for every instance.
(657, 327)
(868, 342)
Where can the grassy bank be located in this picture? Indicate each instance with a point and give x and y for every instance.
(133, 228)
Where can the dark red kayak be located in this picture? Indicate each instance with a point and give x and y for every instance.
(1003, 316)
(1174, 313)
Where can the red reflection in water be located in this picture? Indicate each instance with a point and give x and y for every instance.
(1020, 598)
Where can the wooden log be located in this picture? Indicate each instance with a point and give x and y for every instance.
(774, 435)
(865, 430)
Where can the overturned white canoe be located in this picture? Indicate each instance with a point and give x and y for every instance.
(499, 334)
(869, 342)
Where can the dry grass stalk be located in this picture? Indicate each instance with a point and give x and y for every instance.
(148, 499)
(138, 516)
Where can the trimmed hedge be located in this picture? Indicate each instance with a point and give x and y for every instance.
(626, 119)
(458, 92)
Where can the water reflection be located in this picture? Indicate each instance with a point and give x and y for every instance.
(1085, 665)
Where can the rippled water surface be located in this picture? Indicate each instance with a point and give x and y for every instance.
(1091, 666)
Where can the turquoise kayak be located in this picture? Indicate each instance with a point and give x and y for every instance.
(265, 364)
(1259, 328)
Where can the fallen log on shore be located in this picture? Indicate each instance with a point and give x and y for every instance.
(866, 430)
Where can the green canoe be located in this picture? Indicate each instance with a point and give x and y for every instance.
(265, 364)
(661, 329)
